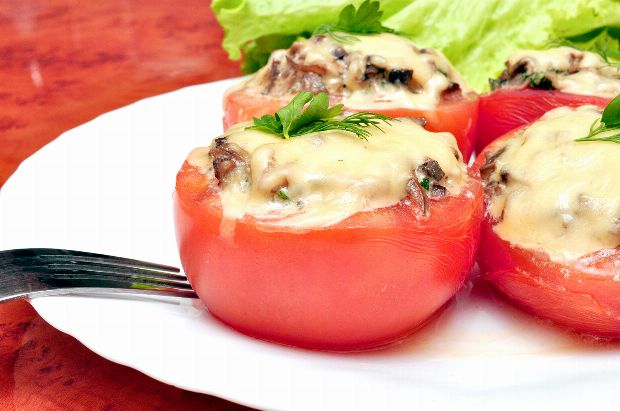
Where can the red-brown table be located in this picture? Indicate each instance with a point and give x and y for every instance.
(63, 62)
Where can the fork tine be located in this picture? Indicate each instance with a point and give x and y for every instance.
(118, 270)
(87, 277)
(51, 254)
(65, 285)
(44, 275)
(105, 289)
(96, 269)
(44, 271)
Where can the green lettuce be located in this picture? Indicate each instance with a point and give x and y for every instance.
(477, 36)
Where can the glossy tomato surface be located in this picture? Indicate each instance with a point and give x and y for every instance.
(361, 283)
(502, 111)
(582, 294)
(458, 117)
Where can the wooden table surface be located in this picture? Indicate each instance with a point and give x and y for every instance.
(62, 63)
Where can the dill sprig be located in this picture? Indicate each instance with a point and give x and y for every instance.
(364, 20)
(609, 121)
(599, 41)
(293, 120)
(354, 123)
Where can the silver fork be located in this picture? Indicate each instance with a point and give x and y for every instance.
(34, 272)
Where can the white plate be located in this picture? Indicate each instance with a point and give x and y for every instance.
(106, 187)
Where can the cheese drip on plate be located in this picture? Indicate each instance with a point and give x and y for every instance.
(316, 180)
(567, 69)
(552, 194)
(373, 71)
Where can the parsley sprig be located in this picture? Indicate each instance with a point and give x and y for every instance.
(292, 120)
(609, 121)
(364, 20)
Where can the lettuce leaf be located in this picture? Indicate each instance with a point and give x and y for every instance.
(477, 36)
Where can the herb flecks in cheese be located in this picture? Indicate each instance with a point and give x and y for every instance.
(316, 180)
(562, 68)
(550, 193)
(375, 71)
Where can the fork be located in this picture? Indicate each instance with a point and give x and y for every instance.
(35, 272)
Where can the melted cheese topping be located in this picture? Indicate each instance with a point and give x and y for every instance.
(559, 196)
(571, 71)
(321, 63)
(332, 175)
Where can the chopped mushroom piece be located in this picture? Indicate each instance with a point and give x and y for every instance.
(431, 171)
(417, 195)
(226, 157)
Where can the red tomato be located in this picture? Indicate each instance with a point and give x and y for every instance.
(583, 295)
(363, 282)
(505, 110)
(458, 117)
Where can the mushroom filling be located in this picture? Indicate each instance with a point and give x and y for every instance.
(320, 179)
(227, 158)
(546, 192)
(563, 68)
(379, 70)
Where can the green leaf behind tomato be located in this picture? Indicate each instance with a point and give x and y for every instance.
(611, 114)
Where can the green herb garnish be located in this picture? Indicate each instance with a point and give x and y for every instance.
(609, 121)
(611, 56)
(365, 20)
(602, 41)
(292, 120)
(426, 183)
(539, 81)
(283, 194)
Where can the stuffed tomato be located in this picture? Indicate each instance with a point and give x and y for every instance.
(535, 82)
(327, 240)
(382, 73)
(550, 241)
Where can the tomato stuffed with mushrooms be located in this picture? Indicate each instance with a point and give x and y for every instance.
(330, 239)
(551, 237)
(383, 73)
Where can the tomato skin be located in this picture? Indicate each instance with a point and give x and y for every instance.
(458, 117)
(361, 283)
(582, 295)
(502, 111)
